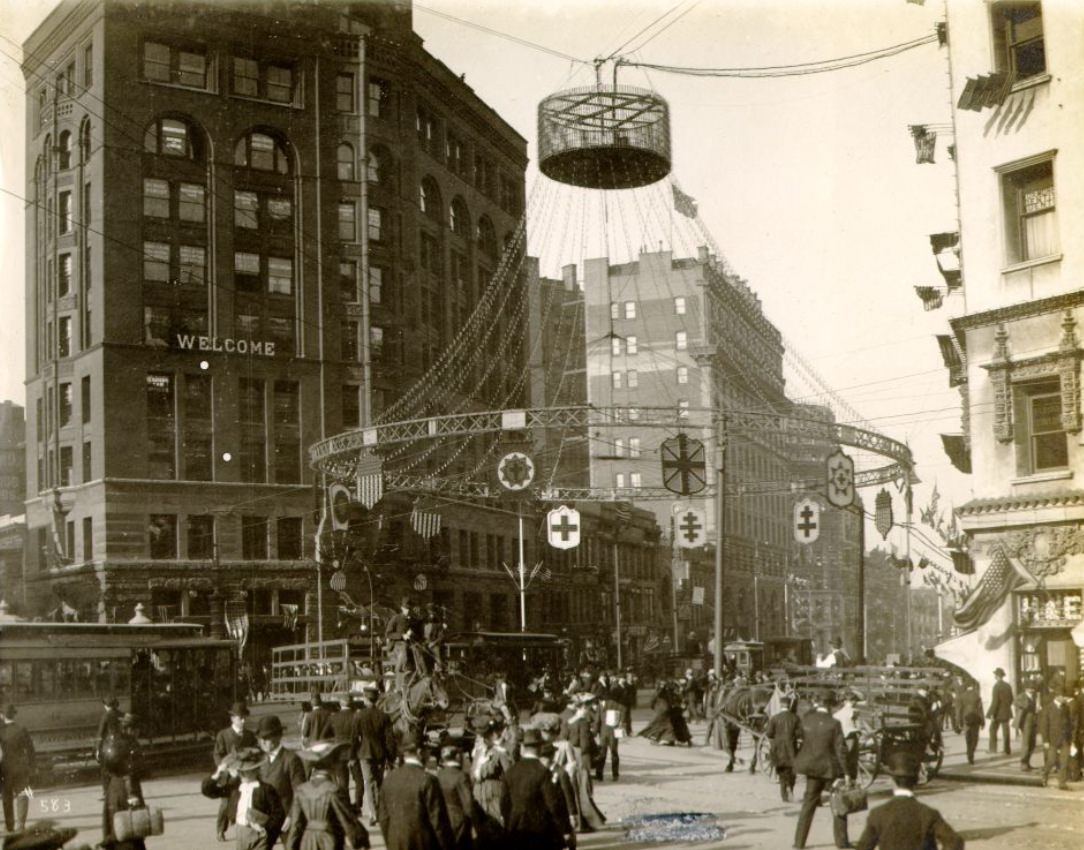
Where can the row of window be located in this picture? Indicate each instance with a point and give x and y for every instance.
(57, 468)
(628, 308)
(65, 84)
(634, 479)
(260, 535)
(631, 378)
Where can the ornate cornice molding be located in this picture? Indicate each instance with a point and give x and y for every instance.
(1005, 504)
(1016, 312)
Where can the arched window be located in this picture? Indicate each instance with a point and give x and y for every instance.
(262, 153)
(64, 149)
(429, 199)
(459, 217)
(377, 166)
(84, 141)
(509, 237)
(49, 154)
(172, 137)
(487, 236)
(344, 159)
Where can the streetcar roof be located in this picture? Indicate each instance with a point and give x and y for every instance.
(505, 638)
(74, 634)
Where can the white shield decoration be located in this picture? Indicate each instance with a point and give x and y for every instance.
(690, 527)
(807, 521)
(563, 527)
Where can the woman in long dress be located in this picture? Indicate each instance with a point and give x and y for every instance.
(489, 762)
(668, 725)
(319, 817)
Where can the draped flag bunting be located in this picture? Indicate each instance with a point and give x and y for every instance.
(962, 563)
(684, 204)
(932, 297)
(237, 624)
(425, 523)
(925, 143)
(1000, 579)
(370, 480)
(986, 90)
(622, 513)
(289, 615)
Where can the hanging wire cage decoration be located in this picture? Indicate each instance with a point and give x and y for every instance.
(604, 137)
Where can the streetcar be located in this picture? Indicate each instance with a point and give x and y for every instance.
(177, 682)
(471, 658)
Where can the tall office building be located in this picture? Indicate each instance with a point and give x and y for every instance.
(253, 225)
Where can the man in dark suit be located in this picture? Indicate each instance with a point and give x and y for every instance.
(628, 701)
(1056, 727)
(456, 788)
(904, 823)
(398, 634)
(820, 759)
(16, 770)
(607, 722)
(282, 770)
(317, 724)
(534, 814)
(782, 731)
(123, 760)
(229, 740)
(374, 749)
(972, 717)
(1000, 712)
(411, 809)
(343, 732)
(1027, 721)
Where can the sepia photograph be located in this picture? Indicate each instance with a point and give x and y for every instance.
(474, 425)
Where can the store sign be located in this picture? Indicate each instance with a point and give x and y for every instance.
(227, 345)
(1056, 609)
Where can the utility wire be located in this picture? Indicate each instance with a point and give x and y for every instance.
(665, 28)
(645, 29)
(797, 70)
(506, 36)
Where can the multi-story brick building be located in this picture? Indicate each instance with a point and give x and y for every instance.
(1015, 348)
(12, 458)
(253, 226)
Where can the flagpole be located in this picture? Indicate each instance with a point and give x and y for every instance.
(617, 601)
(522, 574)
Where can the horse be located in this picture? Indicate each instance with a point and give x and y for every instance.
(744, 706)
(409, 716)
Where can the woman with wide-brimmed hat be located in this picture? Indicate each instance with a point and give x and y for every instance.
(489, 762)
(320, 817)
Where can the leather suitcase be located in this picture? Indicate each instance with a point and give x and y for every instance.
(137, 823)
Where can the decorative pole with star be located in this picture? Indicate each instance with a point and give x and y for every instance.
(515, 472)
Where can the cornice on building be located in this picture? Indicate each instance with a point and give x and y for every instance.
(1007, 504)
(1017, 312)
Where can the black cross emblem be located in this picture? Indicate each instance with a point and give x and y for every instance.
(683, 466)
(564, 528)
(689, 527)
(806, 526)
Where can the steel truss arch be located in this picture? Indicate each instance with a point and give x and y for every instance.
(338, 457)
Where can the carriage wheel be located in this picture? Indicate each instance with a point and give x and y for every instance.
(869, 760)
(763, 756)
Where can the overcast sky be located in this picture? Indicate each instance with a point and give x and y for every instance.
(807, 183)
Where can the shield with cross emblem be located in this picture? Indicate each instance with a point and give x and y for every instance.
(690, 528)
(563, 528)
(807, 521)
(684, 470)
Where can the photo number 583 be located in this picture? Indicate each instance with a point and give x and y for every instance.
(54, 805)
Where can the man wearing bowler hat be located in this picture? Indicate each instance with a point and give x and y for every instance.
(282, 770)
(534, 812)
(16, 769)
(374, 749)
(411, 810)
(1000, 711)
(821, 760)
(229, 740)
(903, 823)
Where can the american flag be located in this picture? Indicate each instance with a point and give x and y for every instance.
(999, 580)
(370, 481)
(289, 615)
(622, 512)
(425, 523)
(684, 204)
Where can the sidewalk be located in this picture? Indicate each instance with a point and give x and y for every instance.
(993, 768)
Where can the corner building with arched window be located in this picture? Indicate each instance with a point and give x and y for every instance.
(250, 226)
